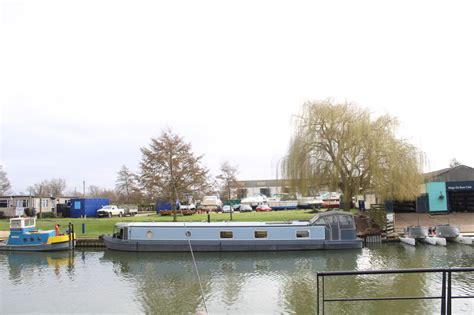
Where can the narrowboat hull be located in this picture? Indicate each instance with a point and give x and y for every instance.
(227, 246)
(38, 247)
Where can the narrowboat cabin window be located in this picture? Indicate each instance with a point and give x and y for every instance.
(260, 234)
(302, 234)
(227, 234)
(149, 235)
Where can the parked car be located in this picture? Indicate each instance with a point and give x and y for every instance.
(227, 208)
(245, 208)
(191, 206)
(236, 207)
(262, 208)
(109, 211)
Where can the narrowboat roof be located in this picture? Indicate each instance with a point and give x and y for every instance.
(230, 224)
(211, 224)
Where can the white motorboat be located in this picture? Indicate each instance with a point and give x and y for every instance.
(451, 233)
(255, 200)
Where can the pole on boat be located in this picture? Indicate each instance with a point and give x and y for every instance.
(71, 235)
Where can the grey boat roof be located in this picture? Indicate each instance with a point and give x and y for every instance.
(230, 224)
(210, 224)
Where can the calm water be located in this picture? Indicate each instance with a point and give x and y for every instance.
(233, 283)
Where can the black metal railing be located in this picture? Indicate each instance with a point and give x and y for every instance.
(445, 296)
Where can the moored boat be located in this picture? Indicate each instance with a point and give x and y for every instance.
(282, 202)
(25, 237)
(255, 200)
(310, 202)
(329, 230)
(450, 233)
(416, 233)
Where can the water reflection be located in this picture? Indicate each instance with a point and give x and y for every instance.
(165, 279)
(22, 265)
(265, 282)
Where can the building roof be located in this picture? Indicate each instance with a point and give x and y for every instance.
(444, 171)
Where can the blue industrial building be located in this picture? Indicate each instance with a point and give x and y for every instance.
(86, 207)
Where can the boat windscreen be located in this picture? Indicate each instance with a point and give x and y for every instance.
(346, 220)
(15, 223)
(316, 220)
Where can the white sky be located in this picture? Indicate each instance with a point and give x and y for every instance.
(85, 84)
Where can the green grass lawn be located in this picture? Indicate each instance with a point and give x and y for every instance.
(95, 226)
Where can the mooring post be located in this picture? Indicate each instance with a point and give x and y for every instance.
(83, 228)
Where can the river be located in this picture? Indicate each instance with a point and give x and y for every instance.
(233, 283)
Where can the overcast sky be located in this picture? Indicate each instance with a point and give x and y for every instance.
(85, 84)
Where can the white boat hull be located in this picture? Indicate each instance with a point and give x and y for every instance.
(463, 240)
(440, 240)
(430, 240)
(408, 240)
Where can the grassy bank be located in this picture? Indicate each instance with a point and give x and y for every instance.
(95, 227)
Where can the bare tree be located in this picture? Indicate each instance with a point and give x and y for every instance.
(50, 188)
(227, 179)
(170, 169)
(56, 187)
(340, 146)
(454, 162)
(94, 191)
(5, 185)
(126, 184)
(98, 192)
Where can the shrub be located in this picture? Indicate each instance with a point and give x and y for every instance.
(48, 215)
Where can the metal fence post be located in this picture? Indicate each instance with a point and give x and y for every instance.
(323, 294)
(449, 293)
(317, 293)
(443, 294)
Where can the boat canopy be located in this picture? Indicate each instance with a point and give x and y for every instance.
(17, 223)
(333, 217)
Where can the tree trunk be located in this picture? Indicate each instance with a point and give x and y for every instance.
(347, 200)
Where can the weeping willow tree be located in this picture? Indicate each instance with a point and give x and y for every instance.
(340, 146)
